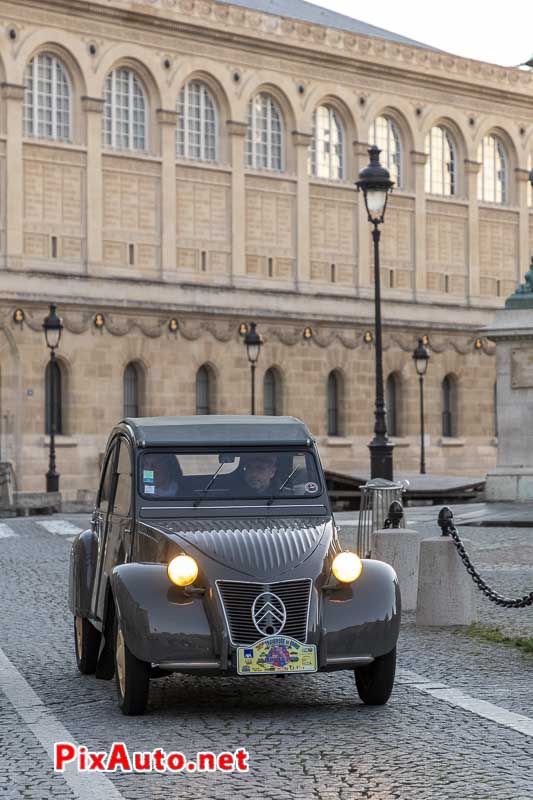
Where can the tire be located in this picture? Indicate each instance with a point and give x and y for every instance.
(132, 678)
(375, 681)
(87, 644)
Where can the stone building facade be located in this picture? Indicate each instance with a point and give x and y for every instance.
(193, 161)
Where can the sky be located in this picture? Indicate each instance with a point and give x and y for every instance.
(493, 32)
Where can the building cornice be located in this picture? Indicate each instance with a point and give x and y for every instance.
(247, 28)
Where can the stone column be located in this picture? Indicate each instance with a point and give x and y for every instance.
(167, 122)
(13, 97)
(418, 161)
(365, 281)
(93, 108)
(471, 172)
(301, 143)
(237, 132)
(524, 254)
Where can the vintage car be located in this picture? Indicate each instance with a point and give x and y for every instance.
(213, 551)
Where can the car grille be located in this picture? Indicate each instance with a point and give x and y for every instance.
(238, 598)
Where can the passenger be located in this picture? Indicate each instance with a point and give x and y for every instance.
(161, 475)
(258, 473)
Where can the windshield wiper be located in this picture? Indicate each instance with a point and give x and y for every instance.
(279, 489)
(197, 502)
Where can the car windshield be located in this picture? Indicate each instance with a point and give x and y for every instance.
(229, 475)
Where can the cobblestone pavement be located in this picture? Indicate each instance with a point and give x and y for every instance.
(308, 737)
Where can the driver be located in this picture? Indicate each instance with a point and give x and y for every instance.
(259, 471)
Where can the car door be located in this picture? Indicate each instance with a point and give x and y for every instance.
(118, 539)
(100, 520)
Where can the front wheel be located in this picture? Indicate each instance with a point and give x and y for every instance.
(132, 677)
(87, 644)
(375, 681)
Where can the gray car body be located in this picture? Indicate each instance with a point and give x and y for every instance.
(119, 566)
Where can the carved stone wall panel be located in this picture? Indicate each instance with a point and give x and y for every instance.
(270, 223)
(498, 249)
(203, 211)
(446, 242)
(332, 226)
(397, 246)
(53, 192)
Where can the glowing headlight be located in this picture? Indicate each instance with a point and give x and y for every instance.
(183, 570)
(347, 567)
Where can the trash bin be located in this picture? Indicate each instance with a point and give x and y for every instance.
(376, 497)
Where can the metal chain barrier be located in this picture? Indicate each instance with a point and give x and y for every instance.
(448, 528)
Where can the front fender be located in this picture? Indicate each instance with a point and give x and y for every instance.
(82, 571)
(159, 621)
(362, 618)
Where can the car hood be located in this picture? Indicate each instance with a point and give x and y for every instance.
(256, 546)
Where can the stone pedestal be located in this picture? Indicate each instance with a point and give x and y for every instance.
(400, 548)
(512, 330)
(445, 589)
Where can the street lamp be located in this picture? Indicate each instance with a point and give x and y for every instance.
(253, 342)
(375, 183)
(421, 359)
(53, 328)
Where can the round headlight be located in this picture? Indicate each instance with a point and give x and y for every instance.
(183, 570)
(347, 567)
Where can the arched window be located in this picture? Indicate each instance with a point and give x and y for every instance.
(47, 99)
(492, 178)
(441, 165)
(495, 401)
(132, 390)
(391, 403)
(53, 398)
(271, 393)
(264, 135)
(326, 155)
(385, 134)
(204, 390)
(196, 135)
(334, 400)
(125, 111)
(449, 406)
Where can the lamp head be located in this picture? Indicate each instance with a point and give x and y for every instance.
(375, 183)
(53, 328)
(253, 342)
(421, 357)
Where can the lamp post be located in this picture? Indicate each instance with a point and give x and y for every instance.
(375, 183)
(53, 328)
(421, 359)
(253, 342)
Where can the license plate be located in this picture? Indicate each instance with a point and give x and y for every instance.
(274, 655)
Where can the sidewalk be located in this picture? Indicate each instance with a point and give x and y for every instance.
(502, 553)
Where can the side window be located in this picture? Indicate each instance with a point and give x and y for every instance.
(122, 501)
(104, 494)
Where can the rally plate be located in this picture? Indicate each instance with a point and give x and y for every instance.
(276, 654)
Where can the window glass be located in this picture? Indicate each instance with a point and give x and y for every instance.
(229, 475)
(327, 145)
(441, 162)
(264, 135)
(385, 134)
(53, 398)
(122, 501)
(196, 133)
(106, 483)
(131, 391)
(125, 116)
(492, 177)
(333, 404)
(47, 99)
(203, 391)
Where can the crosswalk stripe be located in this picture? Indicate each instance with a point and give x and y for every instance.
(459, 699)
(6, 532)
(60, 527)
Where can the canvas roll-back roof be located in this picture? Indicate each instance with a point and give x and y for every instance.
(218, 430)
